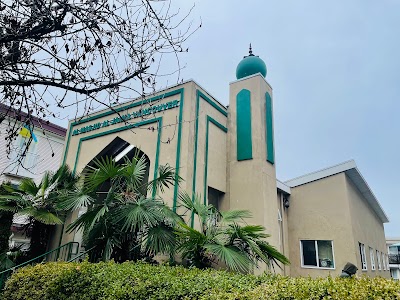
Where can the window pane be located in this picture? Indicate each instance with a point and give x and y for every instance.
(309, 255)
(325, 254)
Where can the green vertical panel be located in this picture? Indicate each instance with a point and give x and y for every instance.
(269, 129)
(243, 125)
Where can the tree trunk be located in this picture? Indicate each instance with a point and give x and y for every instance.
(5, 230)
(39, 238)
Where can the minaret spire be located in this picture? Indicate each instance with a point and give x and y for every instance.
(250, 51)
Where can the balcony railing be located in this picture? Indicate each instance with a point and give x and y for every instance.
(394, 259)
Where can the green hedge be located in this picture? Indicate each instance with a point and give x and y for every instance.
(142, 281)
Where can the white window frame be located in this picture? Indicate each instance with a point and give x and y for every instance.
(372, 257)
(383, 262)
(387, 261)
(378, 256)
(364, 265)
(317, 256)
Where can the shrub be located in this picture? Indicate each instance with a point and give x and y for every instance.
(129, 280)
(122, 281)
(363, 288)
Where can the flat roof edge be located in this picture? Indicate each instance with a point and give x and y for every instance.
(283, 187)
(313, 176)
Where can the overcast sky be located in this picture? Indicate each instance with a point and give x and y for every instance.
(334, 67)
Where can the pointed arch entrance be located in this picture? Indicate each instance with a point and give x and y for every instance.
(119, 150)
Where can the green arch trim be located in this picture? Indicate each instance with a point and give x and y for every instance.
(244, 146)
(269, 129)
(179, 91)
(135, 104)
(130, 126)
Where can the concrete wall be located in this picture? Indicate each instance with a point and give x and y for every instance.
(319, 210)
(367, 228)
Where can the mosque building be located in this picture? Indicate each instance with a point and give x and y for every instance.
(320, 221)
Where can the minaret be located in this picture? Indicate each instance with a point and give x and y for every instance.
(251, 161)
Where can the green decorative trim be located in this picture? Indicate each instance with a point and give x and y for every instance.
(159, 119)
(162, 96)
(110, 112)
(269, 129)
(200, 95)
(130, 126)
(67, 145)
(224, 129)
(178, 149)
(243, 126)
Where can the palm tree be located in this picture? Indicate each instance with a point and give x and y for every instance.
(223, 237)
(39, 203)
(121, 222)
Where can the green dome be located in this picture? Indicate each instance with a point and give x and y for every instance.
(251, 65)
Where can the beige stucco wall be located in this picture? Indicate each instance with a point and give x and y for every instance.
(367, 228)
(320, 211)
(283, 245)
(332, 208)
(145, 138)
(252, 183)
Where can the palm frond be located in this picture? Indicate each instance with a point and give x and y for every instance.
(8, 188)
(231, 256)
(87, 220)
(42, 215)
(108, 249)
(104, 169)
(234, 215)
(196, 207)
(167, 177)
(134, 170)
(27, 185)
(160, 239)
(73, 200)
(190, 240)
(272, 253)
(8, 206)
(144, 213)
(170, 217)
(44, 184)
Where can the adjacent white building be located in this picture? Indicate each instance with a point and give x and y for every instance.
(394, 257)
(48, 139)
(43, 154)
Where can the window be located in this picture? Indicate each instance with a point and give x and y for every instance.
(395, 274)
(372, 256)
(378, 256)
(317, 254)
(383, 262)
(362, 256)
(24, 151)
(214, 197)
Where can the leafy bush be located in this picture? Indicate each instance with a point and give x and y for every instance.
(129, 280)
(122, 281)
(363, 288)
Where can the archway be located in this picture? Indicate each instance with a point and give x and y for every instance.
(120, 150)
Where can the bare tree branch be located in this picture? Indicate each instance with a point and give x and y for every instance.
(63, 53)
